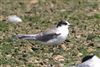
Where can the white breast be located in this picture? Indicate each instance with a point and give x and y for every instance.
(63, 31)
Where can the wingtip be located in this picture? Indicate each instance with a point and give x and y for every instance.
(19, 36)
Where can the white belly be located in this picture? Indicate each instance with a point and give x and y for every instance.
(57, 40)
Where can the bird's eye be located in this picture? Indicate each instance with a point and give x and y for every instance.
(64, 23)
(61, 23)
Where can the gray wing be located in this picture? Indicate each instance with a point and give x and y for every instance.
(83, 65)
(44, 37)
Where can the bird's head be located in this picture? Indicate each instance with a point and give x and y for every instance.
(87, 58)
(63, 23)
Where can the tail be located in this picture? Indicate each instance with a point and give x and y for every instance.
(24, 36)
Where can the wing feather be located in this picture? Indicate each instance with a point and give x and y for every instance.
(46, 36)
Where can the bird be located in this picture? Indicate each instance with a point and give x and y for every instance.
(54, 36)
(90, 61)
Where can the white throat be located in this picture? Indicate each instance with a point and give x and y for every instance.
(62, 28)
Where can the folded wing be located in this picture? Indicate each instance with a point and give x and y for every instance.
(46, 36)
(40, 37)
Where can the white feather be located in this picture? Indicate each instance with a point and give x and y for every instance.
(93, 62)
(14, 19)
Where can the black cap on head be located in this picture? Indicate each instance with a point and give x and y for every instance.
(87, 58)
(61, 23)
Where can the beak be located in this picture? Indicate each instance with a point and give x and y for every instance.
(70, 25)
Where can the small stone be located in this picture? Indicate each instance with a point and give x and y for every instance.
(90, 49)
(33, 1)
(2, 18)
(80, 54)
(58, 58)
(63, 46)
